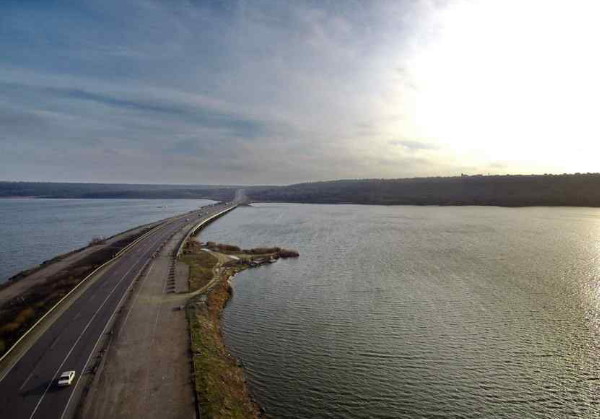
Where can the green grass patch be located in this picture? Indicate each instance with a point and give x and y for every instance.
(201, 266)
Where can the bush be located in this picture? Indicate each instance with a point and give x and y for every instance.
(97, 240)
(262, 250)
(285, 253)
(222, 247)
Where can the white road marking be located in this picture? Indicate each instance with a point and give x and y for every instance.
(27, 380)
(55, 341)
(77, 341)
(99, 339)
(35, 368)
(5, 373)
(133, 251)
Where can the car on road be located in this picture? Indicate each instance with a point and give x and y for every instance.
(66, 378)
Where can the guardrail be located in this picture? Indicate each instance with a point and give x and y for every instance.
(111, 260)
(198, 226)
(84, 280)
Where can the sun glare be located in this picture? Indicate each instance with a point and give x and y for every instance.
(512, 81)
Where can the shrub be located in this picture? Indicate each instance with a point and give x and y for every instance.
(262, 250)
(228, 248)
(97, 240)
(286, 253)
(222, 247)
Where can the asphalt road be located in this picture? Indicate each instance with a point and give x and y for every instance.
(29, 389)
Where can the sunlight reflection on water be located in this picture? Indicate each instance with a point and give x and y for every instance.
(412, 311)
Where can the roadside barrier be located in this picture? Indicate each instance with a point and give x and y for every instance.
(84, 280)
(198, 226)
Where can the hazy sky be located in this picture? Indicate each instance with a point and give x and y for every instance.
(274, 91)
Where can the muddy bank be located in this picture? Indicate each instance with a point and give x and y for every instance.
(219, 378)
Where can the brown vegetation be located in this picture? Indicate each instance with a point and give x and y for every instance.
(18, 315)
(97, 240)
(286, 253)
(219, 380)
(276, 252)
(222, 247)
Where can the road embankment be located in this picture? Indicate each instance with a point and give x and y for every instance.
(28, 296)
(219, 378)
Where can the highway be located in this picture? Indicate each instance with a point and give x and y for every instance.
(28, 389)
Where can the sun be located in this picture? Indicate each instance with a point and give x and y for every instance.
(511, 81)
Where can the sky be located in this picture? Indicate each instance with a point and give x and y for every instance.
(279, 92)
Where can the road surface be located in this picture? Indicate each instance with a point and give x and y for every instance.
(28, 389)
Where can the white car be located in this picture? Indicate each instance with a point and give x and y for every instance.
(66, 378)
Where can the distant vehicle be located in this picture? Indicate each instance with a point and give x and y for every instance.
(66, 378)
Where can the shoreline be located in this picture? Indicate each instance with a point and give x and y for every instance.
(45, 263)
(30, 294)
(219, 378)
(494, 204)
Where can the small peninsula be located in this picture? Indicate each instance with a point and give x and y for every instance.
(220, 383)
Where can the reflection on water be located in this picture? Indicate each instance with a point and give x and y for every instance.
(419, 311)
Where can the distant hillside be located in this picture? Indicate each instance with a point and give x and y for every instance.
(108, 190)
(513, 191)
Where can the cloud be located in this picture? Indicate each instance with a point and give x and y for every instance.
(15, 121)
(232, 91)
(414, 145)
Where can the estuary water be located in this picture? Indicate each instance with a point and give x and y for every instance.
(418, 311)
(34, 230)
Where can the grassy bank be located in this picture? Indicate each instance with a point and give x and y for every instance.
(219, 379)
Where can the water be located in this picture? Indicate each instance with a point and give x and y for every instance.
(419, 311)
(34, 230)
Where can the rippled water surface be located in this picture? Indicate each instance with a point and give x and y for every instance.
(419, 311)
(34, 230)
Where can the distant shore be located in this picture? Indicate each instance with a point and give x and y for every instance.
(570, 190)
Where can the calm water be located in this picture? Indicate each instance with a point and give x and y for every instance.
(34, 230)
(419, 311)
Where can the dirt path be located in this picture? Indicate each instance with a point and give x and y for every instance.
(146, 371)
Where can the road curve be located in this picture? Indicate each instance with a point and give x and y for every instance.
(28, 390)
